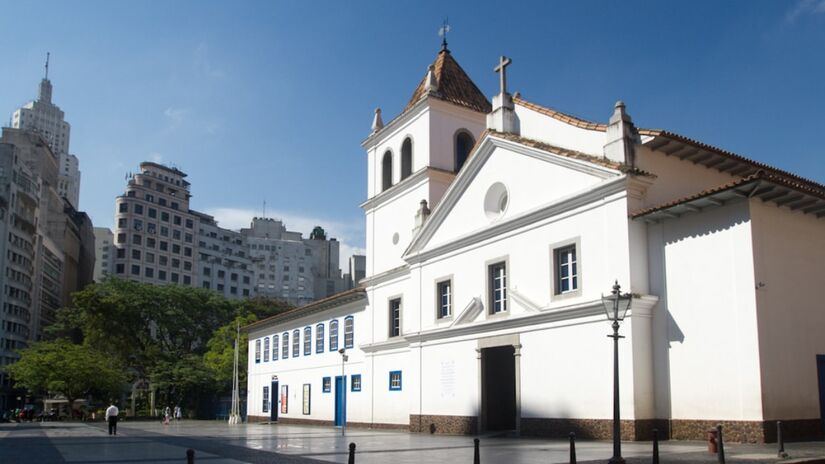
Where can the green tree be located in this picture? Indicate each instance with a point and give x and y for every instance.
(221, 355)
(60, 367)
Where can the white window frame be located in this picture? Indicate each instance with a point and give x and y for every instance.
(349, 335)
(439, 305)
(394, 317)
(275, 347)
(285, 346)
(266, 349)
(319, 337)
(296, 343)
(307, 340)
(491, 284)
(257, 351)
(333, 335)
(556, 292)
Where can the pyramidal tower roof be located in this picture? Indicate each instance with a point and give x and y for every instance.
(454, 85)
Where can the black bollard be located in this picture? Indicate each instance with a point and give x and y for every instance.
(572, 448)
(476, 457)
(190, 456)
(780, 440)
(720, 454)
(351, 454)
(655, 446)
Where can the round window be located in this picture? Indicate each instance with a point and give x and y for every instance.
(496, 201)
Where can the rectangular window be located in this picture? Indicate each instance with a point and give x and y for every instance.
(444, 291)
(395, 380)
(355, 384)
(153, 213)
(333, 336)
(326, 384)
(257, 351)
(319, 338)
(395, 317)
(566, 267)
(123, 208)
(275, 347)
(150, 273)
(296, 343)
(307, 341)
(135, 269)
(349, 332)
(285, 346)
(498, 287)
(265, 404)
(266, 349)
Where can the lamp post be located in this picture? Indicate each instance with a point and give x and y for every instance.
(615, 306)
(344, 358)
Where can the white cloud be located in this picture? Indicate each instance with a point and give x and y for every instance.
(804, 7)
(349, 235)
(204, 65)
(175, 116)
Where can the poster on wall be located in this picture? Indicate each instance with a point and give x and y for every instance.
(284, 399)
(306, 398)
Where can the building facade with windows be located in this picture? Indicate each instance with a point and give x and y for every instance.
(104, 253)
(224, 263)
(494, 230)
(48, 120)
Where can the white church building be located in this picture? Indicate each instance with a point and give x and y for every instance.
(492, 232)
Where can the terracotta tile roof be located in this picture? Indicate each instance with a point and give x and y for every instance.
(347, 296)
(569, 119)
(454, 86)
(598, 160)
(761, 175)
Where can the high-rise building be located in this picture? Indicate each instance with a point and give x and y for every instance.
(48, 120)
(154, 229)
(357, 270)
(104, 253)
(159, 240)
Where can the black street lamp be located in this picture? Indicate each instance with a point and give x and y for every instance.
(615, 306)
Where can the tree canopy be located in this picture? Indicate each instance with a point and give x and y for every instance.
(63, 368)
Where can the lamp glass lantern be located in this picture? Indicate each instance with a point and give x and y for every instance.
(616, 304)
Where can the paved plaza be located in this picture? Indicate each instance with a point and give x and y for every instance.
(219, 443)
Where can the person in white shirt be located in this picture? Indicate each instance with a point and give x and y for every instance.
(111, 417)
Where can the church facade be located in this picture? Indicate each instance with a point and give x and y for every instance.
(494, 229)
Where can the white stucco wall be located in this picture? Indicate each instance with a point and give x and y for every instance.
(537, 126)
(706, 352)
(789, 255)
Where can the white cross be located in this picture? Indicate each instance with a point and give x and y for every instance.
(502, 68)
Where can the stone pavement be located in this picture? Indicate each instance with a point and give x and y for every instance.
(219, 443)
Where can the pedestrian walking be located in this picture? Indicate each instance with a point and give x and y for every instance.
(111, 417)
(167, 413)
(177, 413)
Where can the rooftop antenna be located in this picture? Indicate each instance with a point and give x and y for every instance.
(442, 32)
(47, 65)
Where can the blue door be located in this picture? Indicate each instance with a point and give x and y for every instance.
(273, 414)
(820, 370)
(340, 400)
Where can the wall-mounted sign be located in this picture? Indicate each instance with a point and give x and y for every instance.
(307, 388)
(284, 399)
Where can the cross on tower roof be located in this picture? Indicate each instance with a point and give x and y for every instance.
(502, 69)
(442, 31)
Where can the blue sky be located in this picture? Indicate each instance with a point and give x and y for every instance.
(266, 100)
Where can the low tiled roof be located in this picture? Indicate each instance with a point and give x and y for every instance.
(340, 298)
(805, 188)
(563, 117)
(752, 165)
(454, 86)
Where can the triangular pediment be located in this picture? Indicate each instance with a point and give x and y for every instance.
(508, 179)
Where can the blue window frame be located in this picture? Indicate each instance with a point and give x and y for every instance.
(355, 383)
(257, 351)
(395, 380)
(266, 349)
(349, 332)
(285, 345)
(333, 335)
(275, 347)
(319, 338)
(296, 343)
(307, 341)
(326, 384)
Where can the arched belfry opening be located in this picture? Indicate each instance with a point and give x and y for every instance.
(464, 142)
(386, 171)
(406, 158)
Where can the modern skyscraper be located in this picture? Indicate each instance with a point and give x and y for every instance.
(47, 119)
